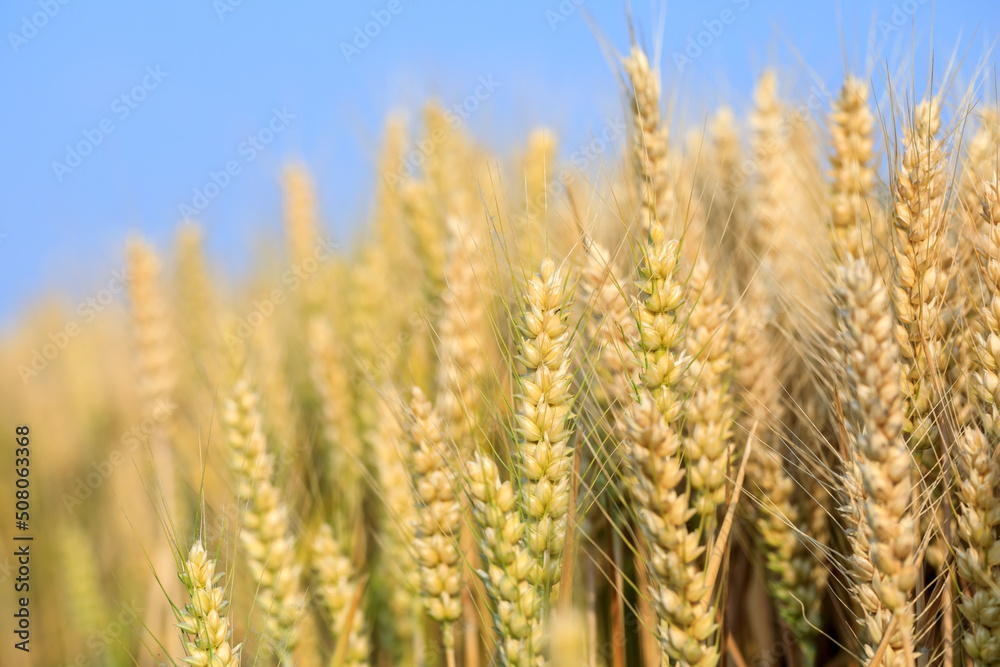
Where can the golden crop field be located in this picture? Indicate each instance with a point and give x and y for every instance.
(729, 396)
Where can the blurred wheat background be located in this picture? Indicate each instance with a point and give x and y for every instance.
(719, 388)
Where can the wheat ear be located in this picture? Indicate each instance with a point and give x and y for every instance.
(332, 383)
(679, 592)
(976, 558)
(708, 409)
(301, 223)
(851, 133)
(335, 589)
(986, 380)
(544, 422)
(156, 358)
(392, 465)
(204, 621)
(268, 545)
(920, 279)
(464, 331)
(649, 143)
(872, 370)
(609, 331)
(509, 565)
(438, 514)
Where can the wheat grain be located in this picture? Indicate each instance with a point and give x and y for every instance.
(921, 277)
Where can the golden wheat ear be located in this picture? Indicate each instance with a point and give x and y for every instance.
(881, 467)
(338, 591)
(205, 620)
(438, 514)
(265, 535)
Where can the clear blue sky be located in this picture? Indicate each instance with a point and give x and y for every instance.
(198, 77)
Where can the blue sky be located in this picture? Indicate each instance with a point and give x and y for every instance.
(162, 95)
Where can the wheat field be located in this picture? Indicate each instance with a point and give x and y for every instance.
(730, 397)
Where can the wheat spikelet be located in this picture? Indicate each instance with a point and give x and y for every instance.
(649, 144)
(335, 589)
(662, 360)
(872, 370)
(509, 565)
(277, 393)
(438, 514)
(267, 543)
(428, 233)
(539, 164)
(443, 165)
(370, 327)
(204, 620)
(387, 218)
(851, 132)
(981, 162)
